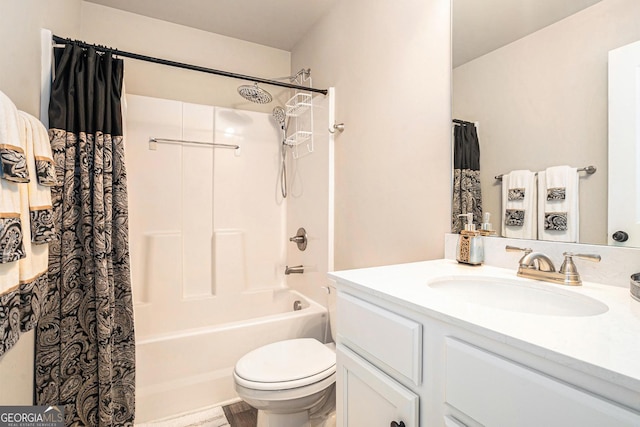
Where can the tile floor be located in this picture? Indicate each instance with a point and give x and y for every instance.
(241, 415)
(238, 414)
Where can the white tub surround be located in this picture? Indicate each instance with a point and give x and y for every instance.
(597, 356)
(209, 245)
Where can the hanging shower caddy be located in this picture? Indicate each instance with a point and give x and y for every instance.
(299, 109)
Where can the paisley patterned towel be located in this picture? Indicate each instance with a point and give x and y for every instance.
(514, 217)
(519, 200)
(516, 194)
(40, 148)
(11, 227)
(557, 193)
(11, 246)
(40, 207)
(555, 221)
(13, 160)
(558, 204)
(20, 307)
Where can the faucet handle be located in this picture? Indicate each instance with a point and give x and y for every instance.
(588, 257)
(510, 248)
(569, 269)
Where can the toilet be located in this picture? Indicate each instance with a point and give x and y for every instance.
(291, 382)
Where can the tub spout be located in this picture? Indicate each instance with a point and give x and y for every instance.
(296, 269)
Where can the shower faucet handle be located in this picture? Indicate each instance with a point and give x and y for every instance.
(300, 239)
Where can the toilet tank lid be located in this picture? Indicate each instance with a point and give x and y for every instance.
(283, 361)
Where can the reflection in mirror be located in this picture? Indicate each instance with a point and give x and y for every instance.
(537, 87)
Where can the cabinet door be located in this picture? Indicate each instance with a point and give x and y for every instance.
(368, 397)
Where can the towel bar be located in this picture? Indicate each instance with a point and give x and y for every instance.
(590, 170)
(154, 141)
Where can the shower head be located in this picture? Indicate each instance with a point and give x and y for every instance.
(255, 94)
(280, 116)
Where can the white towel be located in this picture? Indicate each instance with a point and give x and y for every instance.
(11, 236)
(558, 204)
(38, 201)
(35, 209)
(24, 283)
(519, 213)
(12, 155)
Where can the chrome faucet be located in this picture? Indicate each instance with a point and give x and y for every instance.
(297, 269)
(536, 265)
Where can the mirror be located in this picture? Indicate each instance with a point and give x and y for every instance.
(533, 75)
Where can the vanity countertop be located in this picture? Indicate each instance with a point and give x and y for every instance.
(606, 345)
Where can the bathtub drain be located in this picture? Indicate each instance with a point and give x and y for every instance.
(297, 305)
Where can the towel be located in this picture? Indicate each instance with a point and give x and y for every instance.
(519, 205)
(26, 225)
(36, 209)
(38, 195)
(11, 227)
(558, 208)
(40, 146)
(11, 235)
(13, 159)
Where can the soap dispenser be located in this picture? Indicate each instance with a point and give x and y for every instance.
(485, 228)
(470, 248)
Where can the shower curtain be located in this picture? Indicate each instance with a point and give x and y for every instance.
(466, 175)
(85, 349)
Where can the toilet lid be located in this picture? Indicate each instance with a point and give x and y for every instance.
(288, 360)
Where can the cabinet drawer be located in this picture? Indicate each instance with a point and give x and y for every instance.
(478, 383)
(389, 341)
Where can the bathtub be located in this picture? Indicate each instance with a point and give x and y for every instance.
(187, 370)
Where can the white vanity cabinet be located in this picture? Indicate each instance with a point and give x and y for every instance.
(376, 348)
(397, 364)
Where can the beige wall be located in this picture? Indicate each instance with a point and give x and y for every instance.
(139, 34)
(542, 101)
(20, 24)
(390, 65)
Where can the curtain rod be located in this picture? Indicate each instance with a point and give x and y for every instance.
(461, 122)
(161, 61)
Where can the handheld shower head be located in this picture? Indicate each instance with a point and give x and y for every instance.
(255, 94)
(280, 116)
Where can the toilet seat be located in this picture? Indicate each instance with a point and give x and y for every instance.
(285, 365)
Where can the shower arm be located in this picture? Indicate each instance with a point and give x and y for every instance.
(305, 72)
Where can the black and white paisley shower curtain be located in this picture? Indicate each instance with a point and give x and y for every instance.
(85, 348)
(466, 175)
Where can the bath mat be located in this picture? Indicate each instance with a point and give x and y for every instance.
(213, 417)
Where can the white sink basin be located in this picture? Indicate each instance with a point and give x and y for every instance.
(518, 295)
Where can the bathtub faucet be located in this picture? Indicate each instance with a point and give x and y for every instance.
(296, 269)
